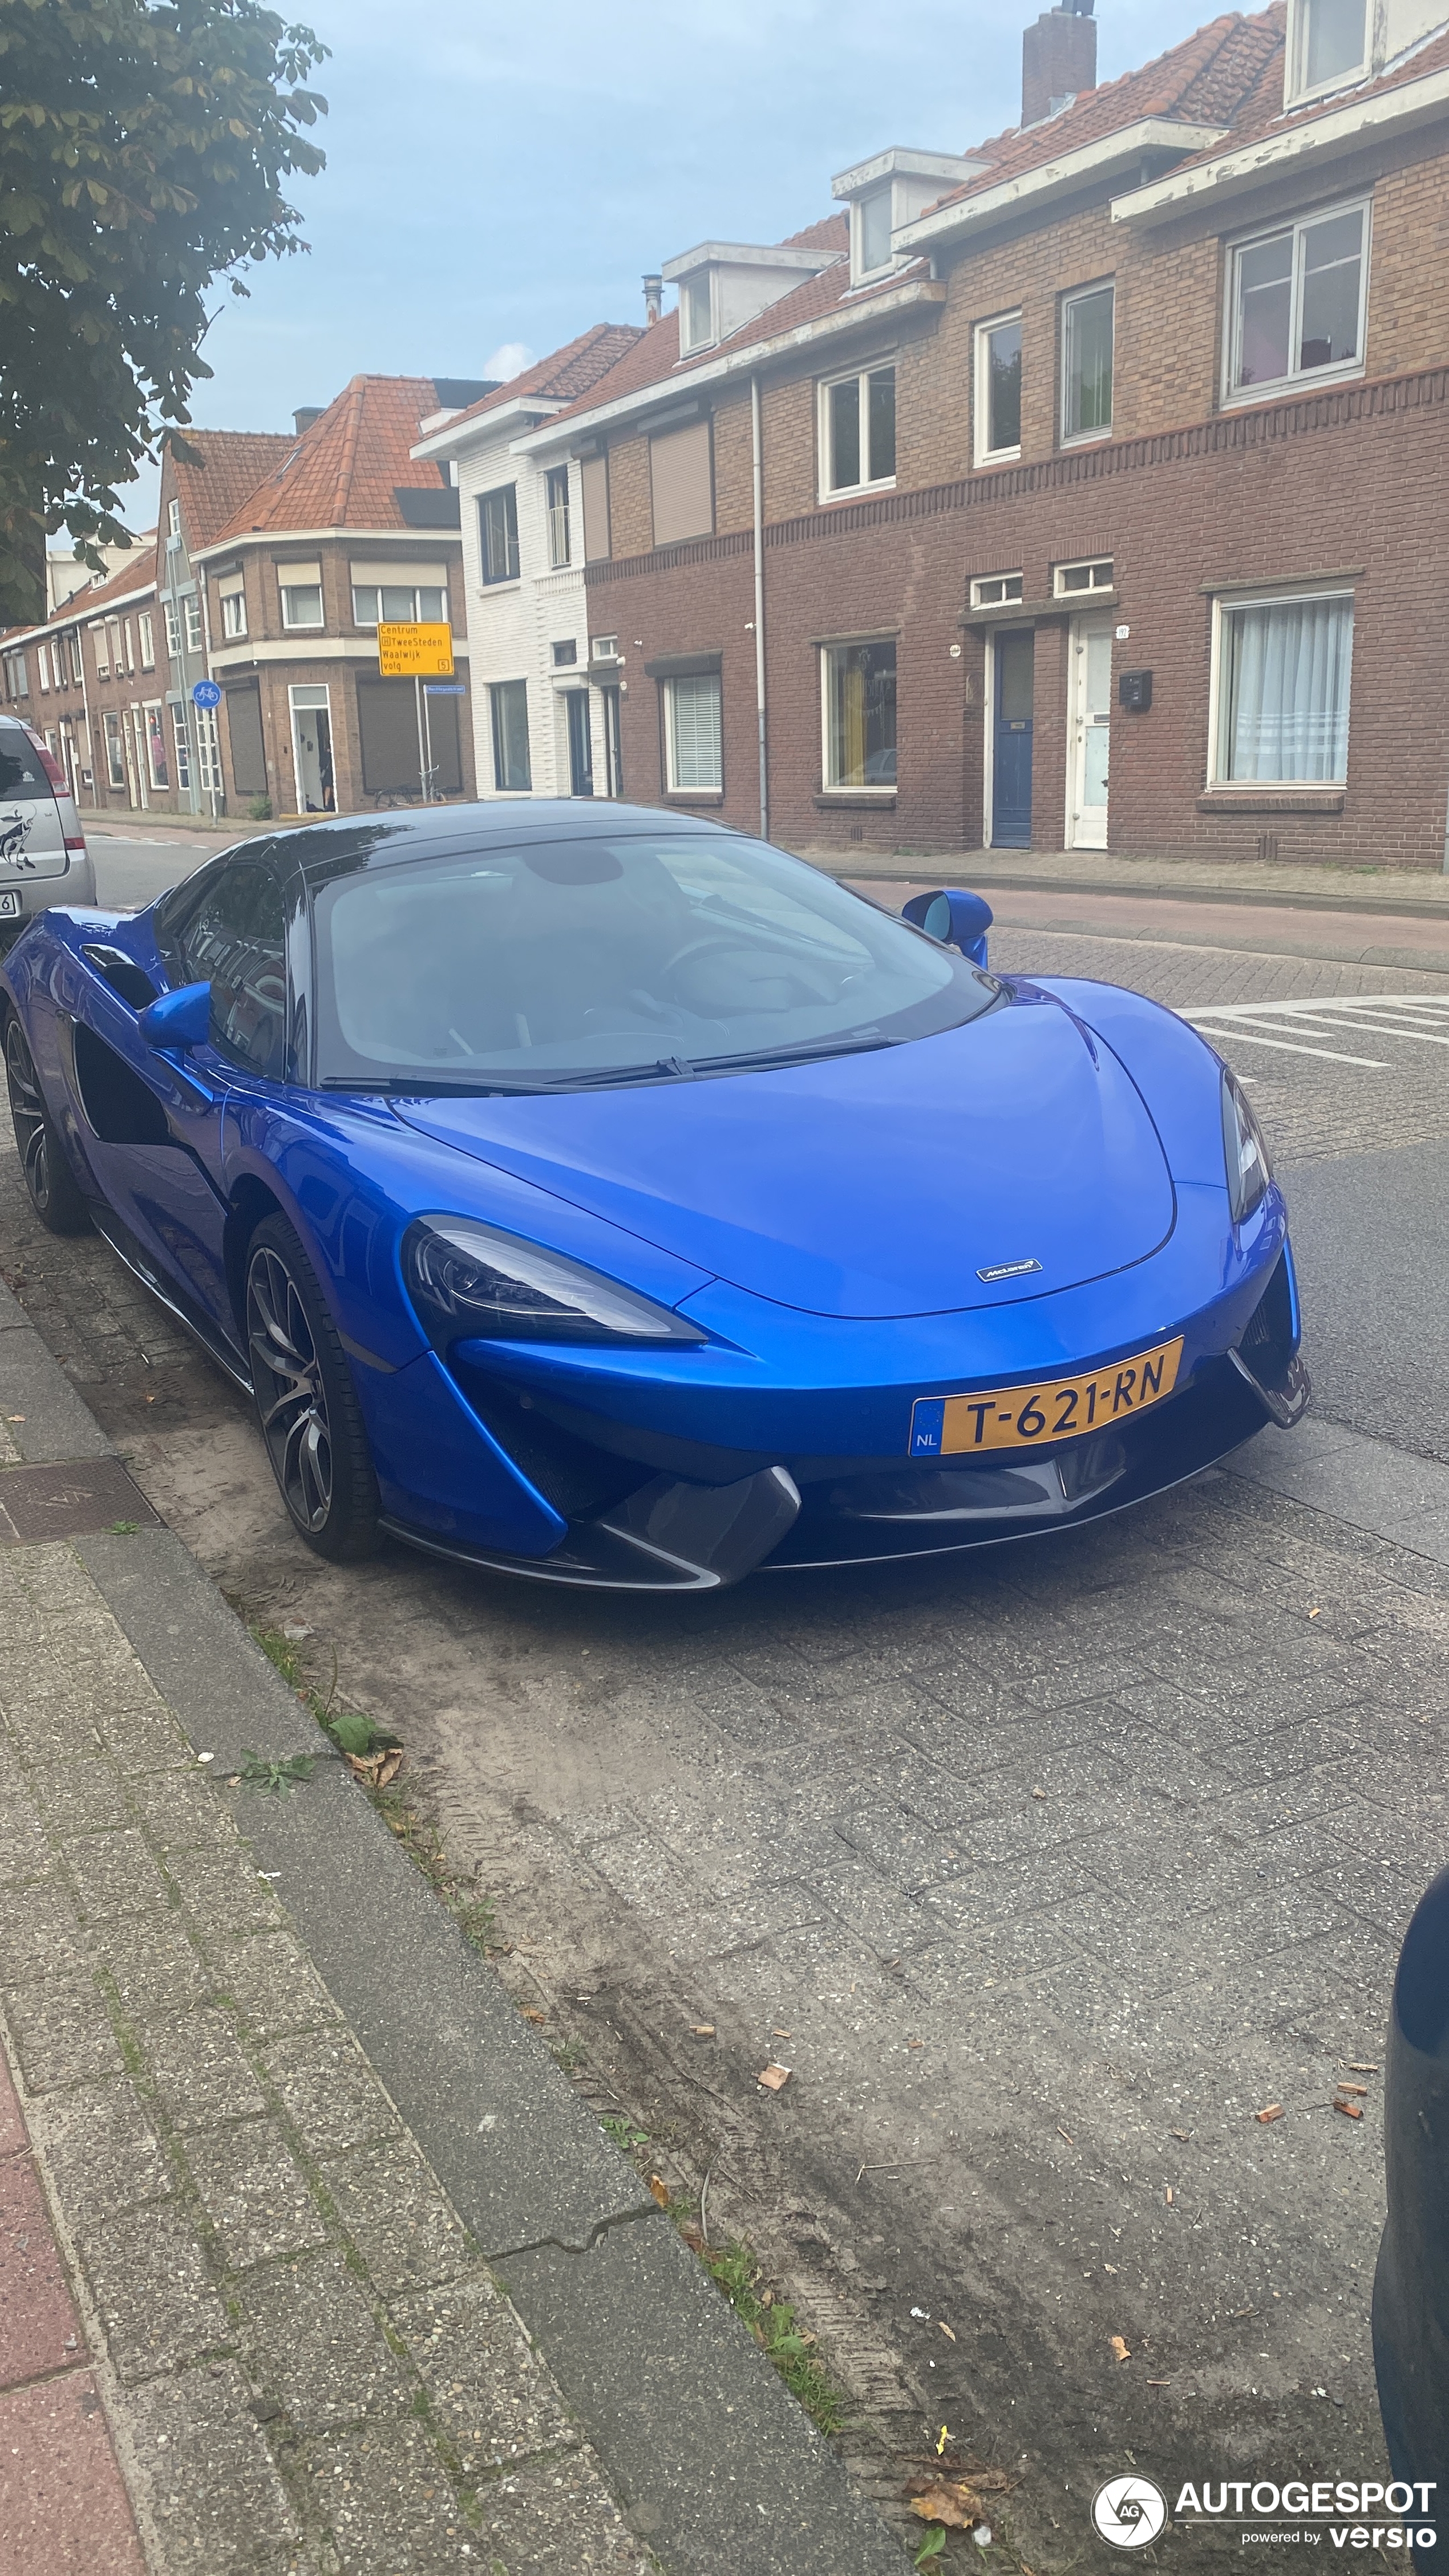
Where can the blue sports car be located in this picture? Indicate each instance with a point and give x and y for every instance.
(601, 1195)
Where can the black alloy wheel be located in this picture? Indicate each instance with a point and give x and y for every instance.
(51, 1185)
(306, 1402)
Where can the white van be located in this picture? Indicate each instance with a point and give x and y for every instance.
(43, 854)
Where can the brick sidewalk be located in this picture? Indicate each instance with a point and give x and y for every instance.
(63, 2506)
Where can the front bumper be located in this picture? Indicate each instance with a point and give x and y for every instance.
(640, 1491)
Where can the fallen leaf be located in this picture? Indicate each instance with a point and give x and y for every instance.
(1350, 2110)
(529, 2014)
(958, 2507)
(1274, 2111)
(701, 2029)
(378, 1769)
(774, 2078)
(1120, 2347)
(660, 2189)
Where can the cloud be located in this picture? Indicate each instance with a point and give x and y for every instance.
(509, 361)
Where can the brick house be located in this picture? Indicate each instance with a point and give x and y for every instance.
(88, 680)
(341, 530)
(1096, 478)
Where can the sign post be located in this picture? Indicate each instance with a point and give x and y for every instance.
(414, 649)
(206, 697)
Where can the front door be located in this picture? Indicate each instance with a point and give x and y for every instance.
(312, 750)
(581, 743)
(613, 742)
(1011, 703)
(1089, 733)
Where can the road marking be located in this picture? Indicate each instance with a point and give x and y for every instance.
(1288, 1027)
(1284, 1046)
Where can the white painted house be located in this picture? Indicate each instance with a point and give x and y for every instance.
(540, 728)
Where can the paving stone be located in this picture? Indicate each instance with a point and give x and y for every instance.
(489, 2392)
(62, 2033)
(116, 1874)
(225, 1891)
(273, 1984)
(63, 2507)
(210, 2482)
(80, 1796)
(25, 1854)
(153, 2291)
(199, 2070)
(153, 1966)
(404, 2229)
(330, 2092)
(253, 2191)
(144, 1736)
(389, 2504)
(100, 2150)
(180, 1811)
(40, 1935)
(316, 2347)
(523, 2512)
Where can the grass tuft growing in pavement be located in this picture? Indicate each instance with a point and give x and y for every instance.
(772, 2323)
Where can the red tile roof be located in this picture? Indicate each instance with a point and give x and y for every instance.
(567, 374)
(233, 463)
(138, 574)
(1206, 80)
(1263, 112)
(343, 472)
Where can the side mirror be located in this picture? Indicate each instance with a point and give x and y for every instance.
(957, 919)
(179, 1020)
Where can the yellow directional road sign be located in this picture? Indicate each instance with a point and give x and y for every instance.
(407, 650)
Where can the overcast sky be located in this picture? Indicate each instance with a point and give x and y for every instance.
(500, 177)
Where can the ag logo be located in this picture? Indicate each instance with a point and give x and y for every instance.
(1129, 2512)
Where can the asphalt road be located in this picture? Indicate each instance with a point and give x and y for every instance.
(1042, 1872)
(131, 871)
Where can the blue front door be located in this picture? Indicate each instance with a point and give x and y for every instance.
(1011, 741)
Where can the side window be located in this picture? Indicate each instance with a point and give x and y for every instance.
(235, 942)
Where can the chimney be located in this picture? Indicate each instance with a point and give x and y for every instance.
(1058, 59)
(653, 298)
(304, 418)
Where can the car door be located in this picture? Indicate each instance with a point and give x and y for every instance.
(158, 1114)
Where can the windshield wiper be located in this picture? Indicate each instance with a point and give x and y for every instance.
(674, 1068)
(810, 1052)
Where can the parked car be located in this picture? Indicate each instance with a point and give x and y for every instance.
(41, 840)
(1411, 2285)
(605, 1196)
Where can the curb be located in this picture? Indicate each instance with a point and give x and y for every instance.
(715, 2464)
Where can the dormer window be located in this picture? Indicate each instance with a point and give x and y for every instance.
(696, 318)
(1327, 47)
(871, 231)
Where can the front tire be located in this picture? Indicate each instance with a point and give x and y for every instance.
(306, 1402)
(50, 1185)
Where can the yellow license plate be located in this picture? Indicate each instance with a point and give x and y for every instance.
(1029, 1417)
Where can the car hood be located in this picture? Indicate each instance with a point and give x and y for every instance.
(872, 1185)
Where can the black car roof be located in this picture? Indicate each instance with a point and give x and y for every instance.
(331, 846)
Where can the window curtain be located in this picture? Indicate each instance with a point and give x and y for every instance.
(1285, 702)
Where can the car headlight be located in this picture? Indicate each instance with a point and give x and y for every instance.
(471, 1281)
(1244, 1151)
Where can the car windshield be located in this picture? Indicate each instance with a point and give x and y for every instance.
(596, 959)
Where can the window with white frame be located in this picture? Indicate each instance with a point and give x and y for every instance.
(1070, 578)
(173, 630)
(870, 228)
(234, 613)
(115, 755)
(192, 610)
(183, 747)
(301, 603)
(147, 628)
(998, 389)
(512, 767)
(173, 520)
(556, 503)
(1281, 671)
(156, 761)
(1327, 45)
(77, 667)
(103, 650)
(996, 589)
(1296, 301)
(498, 533)
(858, 432)
(208, 751)
(15, 681)
(1087, 319)
(693, 734)
(384, 603)
(696, 313)
(859, 712)
(42, 664)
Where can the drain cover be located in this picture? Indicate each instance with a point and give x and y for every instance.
(39, 1503)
